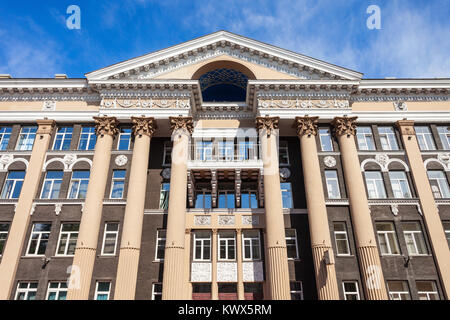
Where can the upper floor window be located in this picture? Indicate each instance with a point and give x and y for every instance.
(291, 244)
(79, 184)
(26, 138)
(63, 138)
(249, 199)
(427, 290)
(447, 231)
(203, 199)
(164, 196)
(26, 291)
(157, 291)
(118, 184)
(202, 245)
(326, 141)
(351, 290)
(341, 238)
(227, 245)
(286, 195)
(13, 185)
(52, 185)
(444, 135)
(251, 245)
(331, 178)
(204, 150)
(110, 237)
(226, 150)
(102, 290)
(57, 291)
(398, 290)
(39, 239)
(415, 242)
(160, 245)
(283, 153)
(365, 138)
(88, 138)
(124, 139)
(400, 185)
(68, 239)
(167, 154)
(425, 138)
(439, 184)
(375, 184)
(388, 138)
(226, 199)
(247, 150)
(387, 238)
(5, 134)
(4, 228)
(296, 288)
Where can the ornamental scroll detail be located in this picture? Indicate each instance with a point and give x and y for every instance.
(304, 104)
(145, 103)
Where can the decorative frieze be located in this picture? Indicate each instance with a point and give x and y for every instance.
(226, 272)
(303, 104)
(201, 272)
(49, 105)
(145, 103)
(202, 220)
(226, 220)
(248, 220)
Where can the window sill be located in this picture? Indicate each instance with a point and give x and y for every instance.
(345, 256)
(294, 259)
(158, 261)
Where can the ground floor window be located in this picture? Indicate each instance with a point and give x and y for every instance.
(201, 291)
(296, 290)
(227, 291)
(157, 291)
(351, 290)
(253, 291)
(398, 290)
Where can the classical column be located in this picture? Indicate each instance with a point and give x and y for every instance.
(173, 276)
(369, 259)
(214, 284)
(187, 264)
(240, 272)
(143, 129)
(276, 238)
(19, 226)
(327, 288)
(83, 261)
(429, 209)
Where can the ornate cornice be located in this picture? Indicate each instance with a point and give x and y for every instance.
(344, 126)
(306, 125)
(267, 123)
(106, 125)
(182, 123)
(143, 126)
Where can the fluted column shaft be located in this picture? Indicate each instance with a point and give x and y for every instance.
(214, 284)
(143, 129)
(240, 271)
(429, 209)
(16, 238)
(85, 252)
(369, 259)
(276, 238)
(174, 281)
(326, 282)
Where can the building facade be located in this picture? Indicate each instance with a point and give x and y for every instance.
(224, 168)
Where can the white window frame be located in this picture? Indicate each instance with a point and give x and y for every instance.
(422, 132)
(72, 180)
(114, 180)
(228, 243)
(90, 136)
(52, 184)
(115, 239)
(225, 150)
(251, 240)
(166, 193)
(4, 134)
(289, 192)
(69, 237)
(6, 235)
(167, 149)
(156, 293)
(26, 290)
(58, 290)
(384, 132)
(159, 240)
(327, 134)
(14, 184)
(439, 182)
(358, 296)
(121, 134)
(201, 242)
(26, 145)
(372, 186)
(283, 145)
(39, 233)
(297, 291)
(444, 135)
(346, 239)
(97, 292)
(446, 225)
(204, 150)
(397, 183)
(397, 295)
(384, 234)
(297, 256)
(362, 136)
(328, 181)
(64, 135)
(413, 235)
(428, 293)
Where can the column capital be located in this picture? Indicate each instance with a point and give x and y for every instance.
(267, 123)
(344, 126)
(106, 125)
(144, 126)
(45, 126)
(181, 123)
(406, 127)
(306, 125)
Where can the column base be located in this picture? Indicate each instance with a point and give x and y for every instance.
(127, 274)
(326, 282)
(279, 273)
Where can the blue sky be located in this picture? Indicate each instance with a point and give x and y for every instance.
(414, 39)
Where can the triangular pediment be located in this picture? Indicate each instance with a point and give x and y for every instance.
(178, 62)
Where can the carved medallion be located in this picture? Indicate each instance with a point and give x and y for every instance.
(121, 160)
(329, 161)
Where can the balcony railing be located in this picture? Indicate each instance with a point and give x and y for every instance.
(213, 152)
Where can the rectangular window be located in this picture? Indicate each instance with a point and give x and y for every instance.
(39, 239)
(5, 134)
(283, 153)
(286, 195)
(248, 150)
(4, 228)
(425, 138)
(249, 199)
(57, 291)
(79, 184)
(167, 155)
(439, 184)
(68, 239)
(63, 138)
(102, 290)
(326, 141)
(291, 244)
(226, 199)
(124, 139)
(13, 185)
(341, 238)
(110, 238)
(447, 232)
(415, 241)
(387, 238)
(202, 244)
(365, 138)
(375, 184)
(204, 150)
(388, 138)
(26, 291)
(26, 138)
(227, 245)
(400, 185)
(398, 290)
(118, 184)
(160, 245)
(331, 178)
(351, 290)
(253, 291)
(203, 199)
(226, 150)
(427, 290)
(296, 290)
(444, 135)
(164, 196)
(251, 245)
(52, 185)
(88, 138)
(157, 291)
